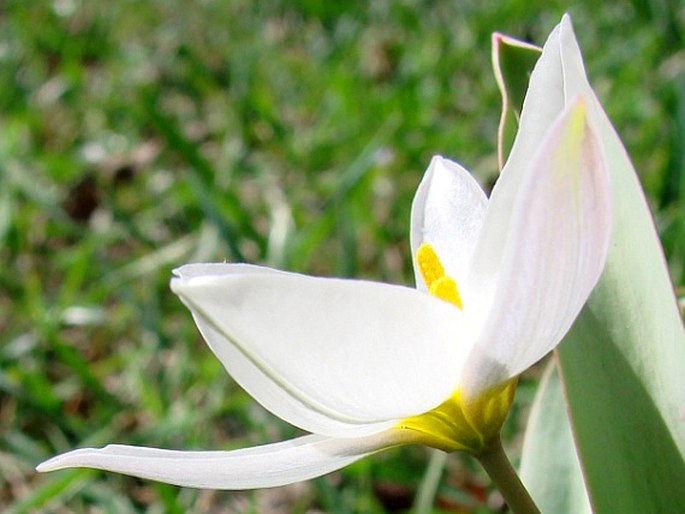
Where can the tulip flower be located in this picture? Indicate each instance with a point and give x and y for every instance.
(364, 366)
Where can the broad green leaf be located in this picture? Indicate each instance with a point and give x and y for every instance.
(549, 464)
(622, 362)
(512, 62)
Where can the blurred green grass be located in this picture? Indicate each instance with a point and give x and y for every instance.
(137, 136)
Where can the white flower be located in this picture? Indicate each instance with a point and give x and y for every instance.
(365, 366)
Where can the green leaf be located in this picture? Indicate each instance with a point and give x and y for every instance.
(549, 464)
(622, 362)
(622, 368)
(512, 61)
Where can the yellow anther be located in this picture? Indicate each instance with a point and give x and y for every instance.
(429, 264)
(445, 288)
(433, 273)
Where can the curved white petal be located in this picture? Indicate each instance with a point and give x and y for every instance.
(542, 105)
(447, 212)
(554, 251)
(575, 83)
(269, 465)
(565, 47)
(335, 357)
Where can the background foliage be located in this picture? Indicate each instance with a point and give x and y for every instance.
(137, 136)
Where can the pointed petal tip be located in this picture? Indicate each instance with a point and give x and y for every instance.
(438, 160)
(565, 29)
(192, 270)
(200, 274)
(199, 269)
(176, 284)
(52, 464)
(64, 460)
(441, 164)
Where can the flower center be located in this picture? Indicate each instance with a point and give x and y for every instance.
(455, 424)
(438, 283)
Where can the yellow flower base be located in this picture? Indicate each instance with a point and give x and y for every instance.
(455, 426)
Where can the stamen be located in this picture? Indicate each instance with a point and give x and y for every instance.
(429, 264)
(446, 289)
(433, 273)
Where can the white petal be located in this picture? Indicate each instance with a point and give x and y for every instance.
(269, 465)
(544, 101)
(555, 249)
(542, 105)
(336, 357)
(566, 49)
(575, 83)
(447, 212)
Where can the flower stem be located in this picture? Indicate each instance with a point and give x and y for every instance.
(496, 463)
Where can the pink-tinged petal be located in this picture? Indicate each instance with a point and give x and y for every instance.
(269, 465)
(575, 83)
(557, 237)
(331, 356)
(447, 212)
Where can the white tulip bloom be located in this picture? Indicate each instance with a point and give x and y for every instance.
(365, 366)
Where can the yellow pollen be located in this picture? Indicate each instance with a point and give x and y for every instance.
(445, 288)
(429, 264)
(433, 273)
